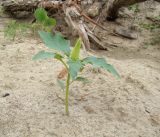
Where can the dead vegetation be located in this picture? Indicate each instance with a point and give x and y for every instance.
(77, 16)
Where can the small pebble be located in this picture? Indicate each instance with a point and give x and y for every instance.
(5, 95)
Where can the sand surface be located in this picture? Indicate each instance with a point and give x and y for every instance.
(106, 107)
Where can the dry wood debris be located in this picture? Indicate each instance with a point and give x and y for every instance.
(72, 9)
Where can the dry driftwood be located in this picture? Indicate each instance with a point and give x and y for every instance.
(75, 20)
(113, 7)
(14, 6)
(27, 7)
(74, 16)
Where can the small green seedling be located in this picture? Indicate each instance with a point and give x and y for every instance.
(70, 59)
(1, 10)
(134, 8)
(13, 28)
(43, 22)
(149, 27)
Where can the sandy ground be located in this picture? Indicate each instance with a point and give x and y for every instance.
(110, 107)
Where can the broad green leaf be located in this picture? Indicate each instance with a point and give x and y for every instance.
(50, 22)
(101, 62)
(43, 55)
(76, 50)
(40, 15)
(82, 79)
(61, 84)
(47, 55)
(74, 68)
(56, 42)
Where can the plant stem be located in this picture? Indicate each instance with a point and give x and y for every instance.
(64, 64)
(67, 88)
(67, 93)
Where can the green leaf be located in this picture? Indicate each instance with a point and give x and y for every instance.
(101, 62)
(58, 56)
(50, 22)
(61, 84)
(43, 55)
(74, 68)
(47, 55)
(56, 42)
(76, 50)
(40, 15)
(82, 79)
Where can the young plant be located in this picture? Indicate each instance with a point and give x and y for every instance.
(150, 27)
(1, 11)
(70, 59)
(134, 8)
(43, 22)
(13, 28)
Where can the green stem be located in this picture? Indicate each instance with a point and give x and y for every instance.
(67, 93)
(67, 88)
(64, 64)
